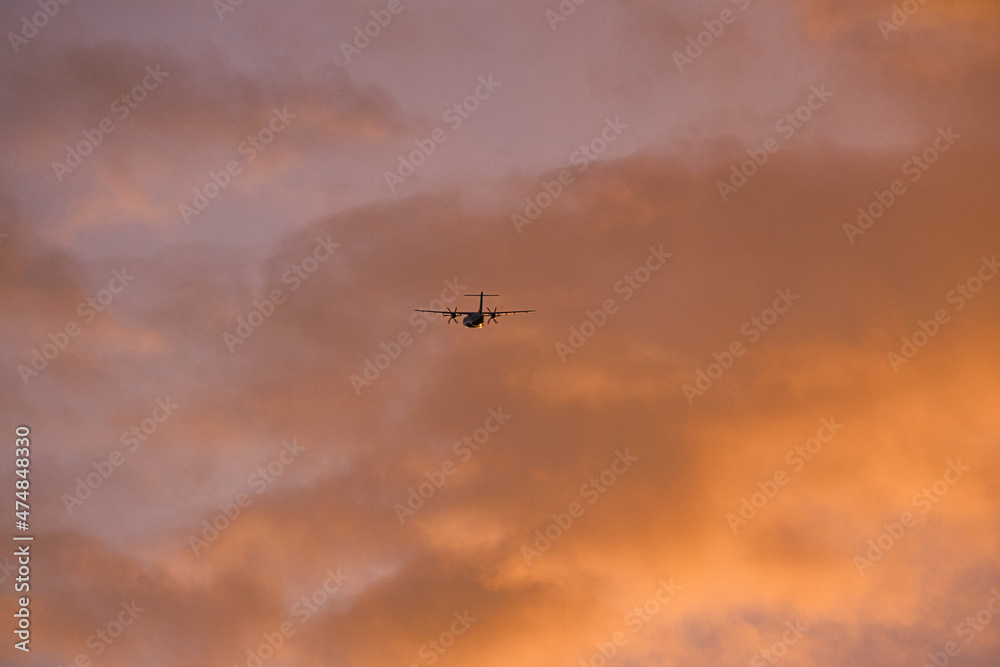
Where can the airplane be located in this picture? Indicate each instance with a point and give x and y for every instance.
(474, 320)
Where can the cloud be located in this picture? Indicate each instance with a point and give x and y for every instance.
(607, 477)
(170, 120)
(825, 358)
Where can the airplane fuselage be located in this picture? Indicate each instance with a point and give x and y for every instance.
(474, 319)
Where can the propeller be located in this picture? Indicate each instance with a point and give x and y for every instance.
(453, 315)
(493, 314)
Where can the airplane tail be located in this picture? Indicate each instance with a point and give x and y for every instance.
(481, 295)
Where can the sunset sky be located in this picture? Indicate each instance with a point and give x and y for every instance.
(753, 420)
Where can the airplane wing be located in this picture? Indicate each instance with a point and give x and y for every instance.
(444, 312)
(497, 313)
